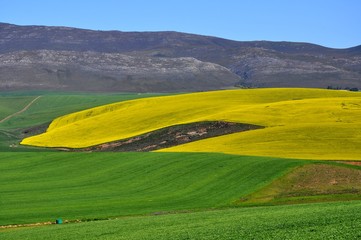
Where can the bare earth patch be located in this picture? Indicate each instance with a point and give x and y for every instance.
(311, 183)
(355, 163)
(172, 136)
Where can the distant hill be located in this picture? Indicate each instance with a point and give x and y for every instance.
(41, 57)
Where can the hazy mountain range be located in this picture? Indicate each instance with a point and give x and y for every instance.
(62, 58)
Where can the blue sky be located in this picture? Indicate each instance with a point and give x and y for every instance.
(331, 23)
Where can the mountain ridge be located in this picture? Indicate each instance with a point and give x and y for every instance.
(248, 64)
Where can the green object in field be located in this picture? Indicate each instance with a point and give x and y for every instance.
(59, 221)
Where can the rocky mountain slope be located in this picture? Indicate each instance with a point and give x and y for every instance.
(93, 71)
(41, 57)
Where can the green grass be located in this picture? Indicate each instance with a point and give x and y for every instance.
(12, 104)
(38, 187)
(309, 221)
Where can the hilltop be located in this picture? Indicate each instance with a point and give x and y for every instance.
(292, 123)
(77, 59)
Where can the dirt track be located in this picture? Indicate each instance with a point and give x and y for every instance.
(21, 111)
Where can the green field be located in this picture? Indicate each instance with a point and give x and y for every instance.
(311, 221)
(12, 104)
(39, 187)
(199, 195)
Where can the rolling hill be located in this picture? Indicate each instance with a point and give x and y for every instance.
(157, 195)
(298, 123)
(77, 59)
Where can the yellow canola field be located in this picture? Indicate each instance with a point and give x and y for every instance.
(300, 123)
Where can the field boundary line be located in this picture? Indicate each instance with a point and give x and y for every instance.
(21, 111)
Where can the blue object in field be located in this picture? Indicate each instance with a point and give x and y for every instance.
(59, 221)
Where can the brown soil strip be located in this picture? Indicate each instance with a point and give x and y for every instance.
(37, 224)
(26, 225)
(172, 136)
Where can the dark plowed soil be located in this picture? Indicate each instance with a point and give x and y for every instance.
(172, 136)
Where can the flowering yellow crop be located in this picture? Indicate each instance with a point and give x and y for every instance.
(300, 123)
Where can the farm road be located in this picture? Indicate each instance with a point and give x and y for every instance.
(21, 111)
